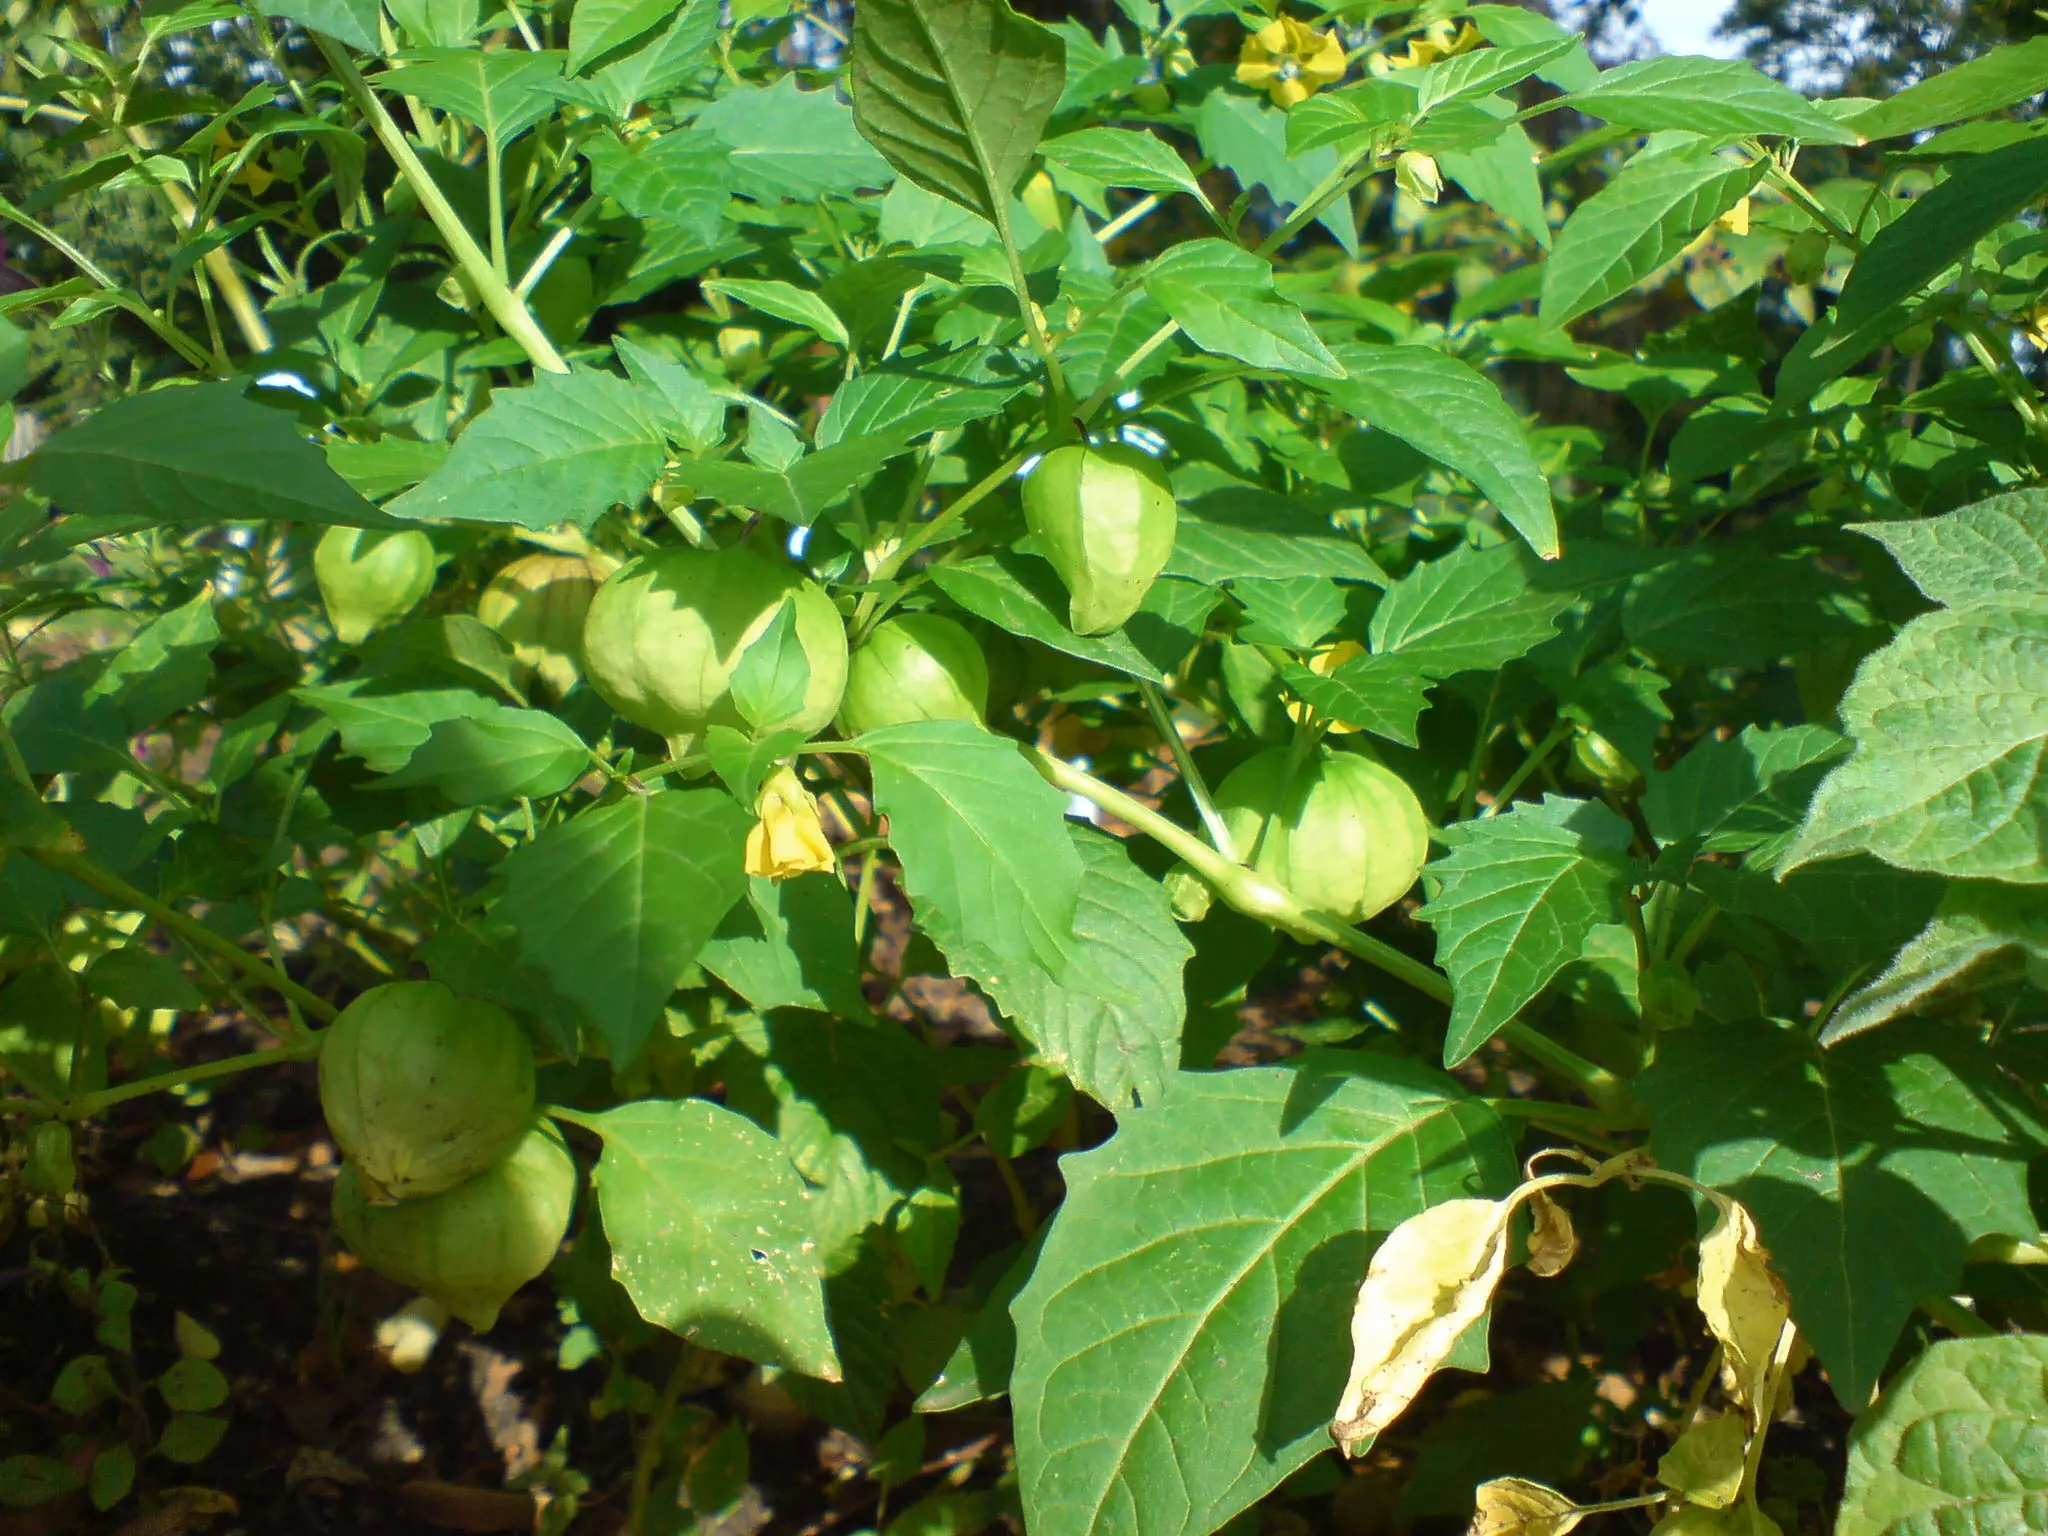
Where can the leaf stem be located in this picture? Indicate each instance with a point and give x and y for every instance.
(88, 1105)
(1538, 755)
(1190, 775)
(653, 1437)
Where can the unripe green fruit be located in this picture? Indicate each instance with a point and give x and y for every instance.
(667, 630)
(424, 1089)
(1105, 518)
(50, 1169)
(472, 1246)
(370, 576)
(1608, 765)
(538, 603)
(1347, 836)
(919, 666)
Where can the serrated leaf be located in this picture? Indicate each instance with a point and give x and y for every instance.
(1482, 72)
(1734, 606)
(1022, 596)
(791, 143)
(1224, 299)
(599, 27)
(495, 754)
(1382, 694)
(1629, 228)
(800, 492)
(1514, 903)
(504, 91)
(1234, 532)
(1996, 548)
(613, 906)
(790, 945)
(1869, 1168)
(986, 859)
(679, 181)
(909, 396)
(709, 1234)
(565, 449)
(385, 728)
(1705, 96)
(1177, 1343)
(1846, 914)
(1735, 794)
(1977, 923)
(1451, 412)
(1473, 610)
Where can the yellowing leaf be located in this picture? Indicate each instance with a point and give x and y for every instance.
(1706, 1463)
(1699, 1520)
(1513, 1506)
(1745, 1304)
(1431, 1280)
(1553, 1242)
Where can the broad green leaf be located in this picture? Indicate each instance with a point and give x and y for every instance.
(1381, 694)
(384, 727)
(1473, 610)
(1112, 1023)
(504, 91)
(1978, 922)
(785, 301)
(1705, 96)
(1482, 72)
(436, 23)
(663, 64)
(1514, 903)
(1847, 915)
(1451, 412)
(496, 754)
(135, 977)
(1941, 227)
(1124, 157)
(202, 453)
(162, 668)
(1180, 1342)
(1223, 297)
(773, 674)
(1870, 1168)
(1995, 80)
(790, 945)
(986, 859)
(1997, 548)
(1352, 117)
(1954, 1444)
(613, 905)
(801, 491)
(1739, 793)
(979, 1367)
(599, 27)
(350, 21)
(709, 1234)
(688, 409)
(26, 1481)
(1950, 772)
(1297, 611)
(1502, 176)
(681, 180)
(565, 449)
(792, 143)
(955, 94)
(1021, 595)
(1239, 532)
(1730, 604)
(1637, 222)
(907, 397)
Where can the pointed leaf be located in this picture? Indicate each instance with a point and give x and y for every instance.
(504, 92)
(1992, 81)
(1224, 298)
(1705, 96)
(1978, 922)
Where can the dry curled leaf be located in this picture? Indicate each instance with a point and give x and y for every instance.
(1706, 1463)
(1553, 1242)
(1431, 1280)
(1745, 1304)
(1514, 1506)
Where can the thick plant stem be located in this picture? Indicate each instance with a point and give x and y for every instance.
(86, 872)
(506, 307)
(87, 1105)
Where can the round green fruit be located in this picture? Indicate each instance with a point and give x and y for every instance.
(918, 666)
(424, 1089)
(1346, 835)
(472, 1246)
(1105, 518)
(1604, 762)
(538, 603)
(370, 576)
(666, 631)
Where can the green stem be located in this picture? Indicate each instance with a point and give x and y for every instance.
(1334, 186)
(87, 873)
(1603, 1087)
(166, 332)
(87, 1105)
(505, 306)
(1190, 775)
(921, 536)
(1538, 755)
(647, 1459)
(1957, 1318)
(1573, 1117)
(1781, 178)
(2017, 394)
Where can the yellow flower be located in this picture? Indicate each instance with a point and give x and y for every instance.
(1440, 40)
(789, 839)
(1290, 61)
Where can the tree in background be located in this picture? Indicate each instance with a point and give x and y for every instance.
(1872, 49)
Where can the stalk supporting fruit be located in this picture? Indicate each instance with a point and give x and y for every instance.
(369, 577)
(538, 603)
(1105, 517)
(1343, 833)
(424, 1089)
(666, 631)
(918, 666)
(472, 1246)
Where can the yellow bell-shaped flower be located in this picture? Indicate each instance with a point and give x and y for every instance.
(1290, 61)
(788, 839)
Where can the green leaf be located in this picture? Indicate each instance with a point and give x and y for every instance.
(504, 91)
(908, 397)
(1954, 1443)
(1727, 97)
(1179, 1345)
(955, 94)
(134, 977)
(1482, 72)
(1732, 605)
(599, 27)
(1739, 793)
(773, 674)
(1381, 694)
(1223, 297)
(1112, 1022)
(1248, 136)
(384, 729)
(1021, 595)
(1124, 157)
(790, 945)
(1847, 914)
(1501, 175)
(709, 1234)
(202, 453)
(663, 64)
(987, 862)
(164, 667)
(565, 449)
(785, 301)
(1235, 532)
(193, 1386)
(979, 1367)
(1941, 227)
(350, 21)
(1997, 548)
(1995, 80)
(1473, 610)
(1950, 772)
(1514, 903)
(1635, 224)
(1977, 923)
(112, 1477)
(800, 492)
(1452, 413)
(189, 1438)
(26, 1481)
(679, 181)
(613, 906)
(498, 753)
(792, 143)
(1870, 1168)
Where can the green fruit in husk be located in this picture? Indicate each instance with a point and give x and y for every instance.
(666, 631)
(50, 1168)
(538, 604)
(472, 1246)
(424, 1089)
(370, 576)
(1105, 518)
(1346, 835)
(918, 666)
